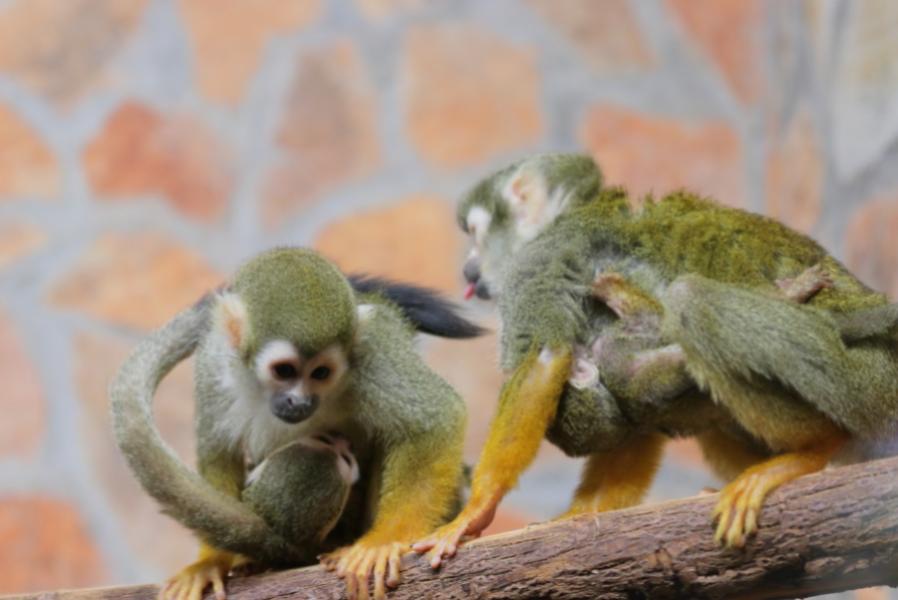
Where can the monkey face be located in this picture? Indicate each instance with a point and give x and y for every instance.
(500, 217)
(298, 384)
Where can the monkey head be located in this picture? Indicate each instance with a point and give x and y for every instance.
(511, 207)
(290, 318)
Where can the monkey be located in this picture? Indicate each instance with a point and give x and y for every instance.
(286, 354)
(309, 517)
(270, 490)
(781, 393)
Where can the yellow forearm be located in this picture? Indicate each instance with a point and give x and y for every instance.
(526, 408)
(416, 495)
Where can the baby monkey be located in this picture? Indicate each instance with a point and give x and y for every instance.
(636, 365)
(270, 490)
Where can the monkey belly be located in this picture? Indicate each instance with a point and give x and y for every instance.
(301, 494)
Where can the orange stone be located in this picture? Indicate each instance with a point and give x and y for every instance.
(469, 94)
(729, 33)
(413, 240)
(649, 154)
(138, 280)
(872, 246)
(46, 546)
(22, 431)
(608, 38)
(380, 9)
(140, 152)
(18, 240)
(795, 176)
(154, 539)
(685, 452)
(62, 49)
(328, 135)
(230, 36)
(27, 166)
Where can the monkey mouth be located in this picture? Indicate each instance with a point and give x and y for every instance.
(479, 288)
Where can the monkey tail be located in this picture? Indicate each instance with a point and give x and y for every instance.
(183, 494)
(427, 310)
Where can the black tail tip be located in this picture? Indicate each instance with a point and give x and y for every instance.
(426, 309)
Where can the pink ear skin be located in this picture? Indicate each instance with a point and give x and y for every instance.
(232, 319)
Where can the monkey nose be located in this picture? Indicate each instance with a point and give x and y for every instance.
(471, 270)
(293, 408)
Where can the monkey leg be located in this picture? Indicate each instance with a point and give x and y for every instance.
(729, 453)
(618, 478)
(780, 368)
(740, 501)
(802, 288)
(527, 406)
(625, 299)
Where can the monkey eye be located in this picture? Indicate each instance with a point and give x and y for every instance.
(320, 373)
(284, 370)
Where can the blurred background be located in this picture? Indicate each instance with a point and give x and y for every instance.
(147, 147)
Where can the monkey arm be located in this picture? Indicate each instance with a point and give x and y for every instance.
(527, 406)
(417, 424)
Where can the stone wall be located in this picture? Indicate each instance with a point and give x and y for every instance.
(148, 146)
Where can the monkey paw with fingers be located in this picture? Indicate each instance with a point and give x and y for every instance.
(738, 508)
(190, 582)
(741, 500)
(444, 542)
(358, 563)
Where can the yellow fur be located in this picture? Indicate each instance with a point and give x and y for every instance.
(741, 500)
(619, 478)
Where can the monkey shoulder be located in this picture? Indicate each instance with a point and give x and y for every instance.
(390, 382)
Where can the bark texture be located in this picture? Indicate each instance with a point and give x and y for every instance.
(828, 532)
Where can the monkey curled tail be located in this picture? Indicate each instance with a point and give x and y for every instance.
(319, 428)
(182, 493)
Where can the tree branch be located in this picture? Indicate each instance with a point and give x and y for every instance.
(824, 533)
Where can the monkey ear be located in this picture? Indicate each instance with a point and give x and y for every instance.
(231, 318)
(525, 192)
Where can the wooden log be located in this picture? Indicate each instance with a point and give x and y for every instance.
(829, 532)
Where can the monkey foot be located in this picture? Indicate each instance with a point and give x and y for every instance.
(357, 563)
(738, 508)
(444, 542)
(740, 501)
(190, 582)
(803, 287)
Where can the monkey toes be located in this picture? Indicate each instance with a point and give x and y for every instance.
(190, 582)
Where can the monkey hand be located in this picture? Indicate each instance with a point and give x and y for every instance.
(472, 520)
(356, 564)
(189, 583)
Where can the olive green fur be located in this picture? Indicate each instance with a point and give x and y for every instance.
(308, 286)
(546, 301)
(768, 359)
(400, 417)
(304, 518)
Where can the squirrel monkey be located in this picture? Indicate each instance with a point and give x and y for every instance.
(793, 385)
(304, 384)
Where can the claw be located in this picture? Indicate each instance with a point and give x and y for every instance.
(364, 565)
(193, 579)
